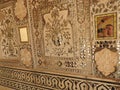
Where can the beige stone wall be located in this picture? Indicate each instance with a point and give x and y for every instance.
(58, 41)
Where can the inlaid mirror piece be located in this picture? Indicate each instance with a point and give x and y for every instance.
(105, 25)
(23, 34)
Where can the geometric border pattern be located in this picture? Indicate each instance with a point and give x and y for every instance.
(20, 79)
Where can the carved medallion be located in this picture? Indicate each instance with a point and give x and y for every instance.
(106, 61)
(20, 9)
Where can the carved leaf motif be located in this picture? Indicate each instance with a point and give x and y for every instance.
(106, 61)
(20, 10)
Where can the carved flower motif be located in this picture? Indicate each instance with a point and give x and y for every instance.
(57, 33)
(56, 26)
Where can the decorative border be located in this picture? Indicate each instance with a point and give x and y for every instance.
(26, 80)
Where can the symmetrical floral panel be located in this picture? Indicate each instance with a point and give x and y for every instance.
(60, 35)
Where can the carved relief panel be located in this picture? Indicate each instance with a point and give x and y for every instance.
(58, 34)
(59, 37)
(15, 43)
(9, 47)
(104, 18)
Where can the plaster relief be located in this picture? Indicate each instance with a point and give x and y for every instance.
(57, 33)
(20, 9)
(8, 41)
(106, 61)
(26, 57)
(8, 38)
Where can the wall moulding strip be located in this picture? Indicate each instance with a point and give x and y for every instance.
(52, 81)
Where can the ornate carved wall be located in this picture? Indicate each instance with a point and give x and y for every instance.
(12, 50)
(20, 79)
(64, 49)
(106, 47)
(60, 42)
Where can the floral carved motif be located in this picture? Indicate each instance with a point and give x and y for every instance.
(57, 33)
(8, 35)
